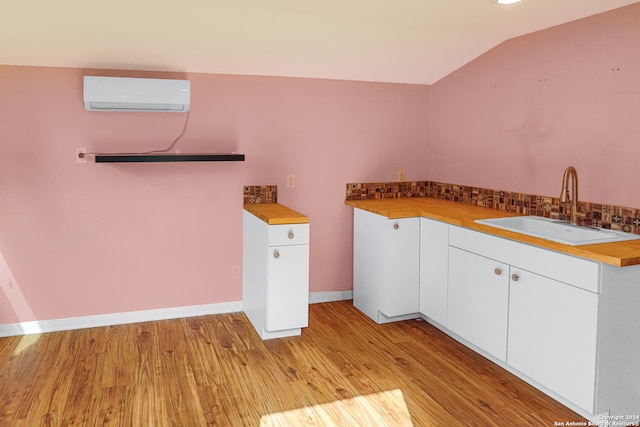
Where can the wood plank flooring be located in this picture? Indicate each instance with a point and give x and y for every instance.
(214, 370)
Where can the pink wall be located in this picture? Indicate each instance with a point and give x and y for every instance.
(515, 117)
(89, 239)
(97, 238)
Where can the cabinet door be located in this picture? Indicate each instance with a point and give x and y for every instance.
(288, 288)
(402, 281)
(552, 335)
(434, 265)
(369, 255)
(478, 300)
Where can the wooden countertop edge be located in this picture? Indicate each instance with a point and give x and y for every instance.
(276, 214)
(282, 221)
(619, 254)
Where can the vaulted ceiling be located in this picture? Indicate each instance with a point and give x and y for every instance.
(406, 41)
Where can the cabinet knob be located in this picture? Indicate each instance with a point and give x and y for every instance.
(276, 254)
(498, 271)
(396, 226)
(291, 235)
(515, 277)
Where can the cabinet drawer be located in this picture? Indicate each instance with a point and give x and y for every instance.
(288, 234)
(574, 271)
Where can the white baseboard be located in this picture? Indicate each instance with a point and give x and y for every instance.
(317, 297)
(69, 323)
(65, 324)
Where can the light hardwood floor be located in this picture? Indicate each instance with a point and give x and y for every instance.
(214, 370)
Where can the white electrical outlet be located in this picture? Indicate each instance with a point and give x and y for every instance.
(81, 155)
(401, 176)
(235, 272)
(291, 181)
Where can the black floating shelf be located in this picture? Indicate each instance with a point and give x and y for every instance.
(148, 158)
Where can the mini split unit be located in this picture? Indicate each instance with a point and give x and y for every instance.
(133, 94)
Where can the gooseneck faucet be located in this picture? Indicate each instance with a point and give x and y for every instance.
(564, 193)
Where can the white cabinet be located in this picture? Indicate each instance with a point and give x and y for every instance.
(386, 257)
(552, 335)
(565, 324)
(275, 279)
(478, 302)
(288, 299)
(434, 269)
(543, 327)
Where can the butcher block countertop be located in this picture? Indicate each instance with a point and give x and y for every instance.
(620, 254)
(275, 213)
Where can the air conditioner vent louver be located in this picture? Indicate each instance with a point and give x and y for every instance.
(135, 94)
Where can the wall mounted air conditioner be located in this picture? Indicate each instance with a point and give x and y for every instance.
(134, 94)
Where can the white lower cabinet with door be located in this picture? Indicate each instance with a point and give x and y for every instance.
(543, 320)
(386, 281)
(275, 279)
(478, 303)
(552, 338)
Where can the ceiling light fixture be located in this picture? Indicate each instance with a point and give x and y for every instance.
(508, 1)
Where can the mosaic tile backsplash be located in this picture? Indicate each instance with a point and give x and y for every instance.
(260, 194)
(592, 214)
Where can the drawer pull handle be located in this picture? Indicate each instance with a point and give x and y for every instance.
(276, 254)
(498, 271)
(291, 235)
(515, 277)
(396, 226)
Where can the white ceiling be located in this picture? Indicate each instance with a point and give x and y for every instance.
(404, 41)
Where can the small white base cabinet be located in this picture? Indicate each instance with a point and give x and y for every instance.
(275, 276)
(386, 257)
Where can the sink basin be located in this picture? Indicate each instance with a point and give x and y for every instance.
(558, 231)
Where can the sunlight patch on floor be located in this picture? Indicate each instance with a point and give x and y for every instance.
(25, 342)
(387, 408)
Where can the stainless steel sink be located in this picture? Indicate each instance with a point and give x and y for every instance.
(558, 231)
